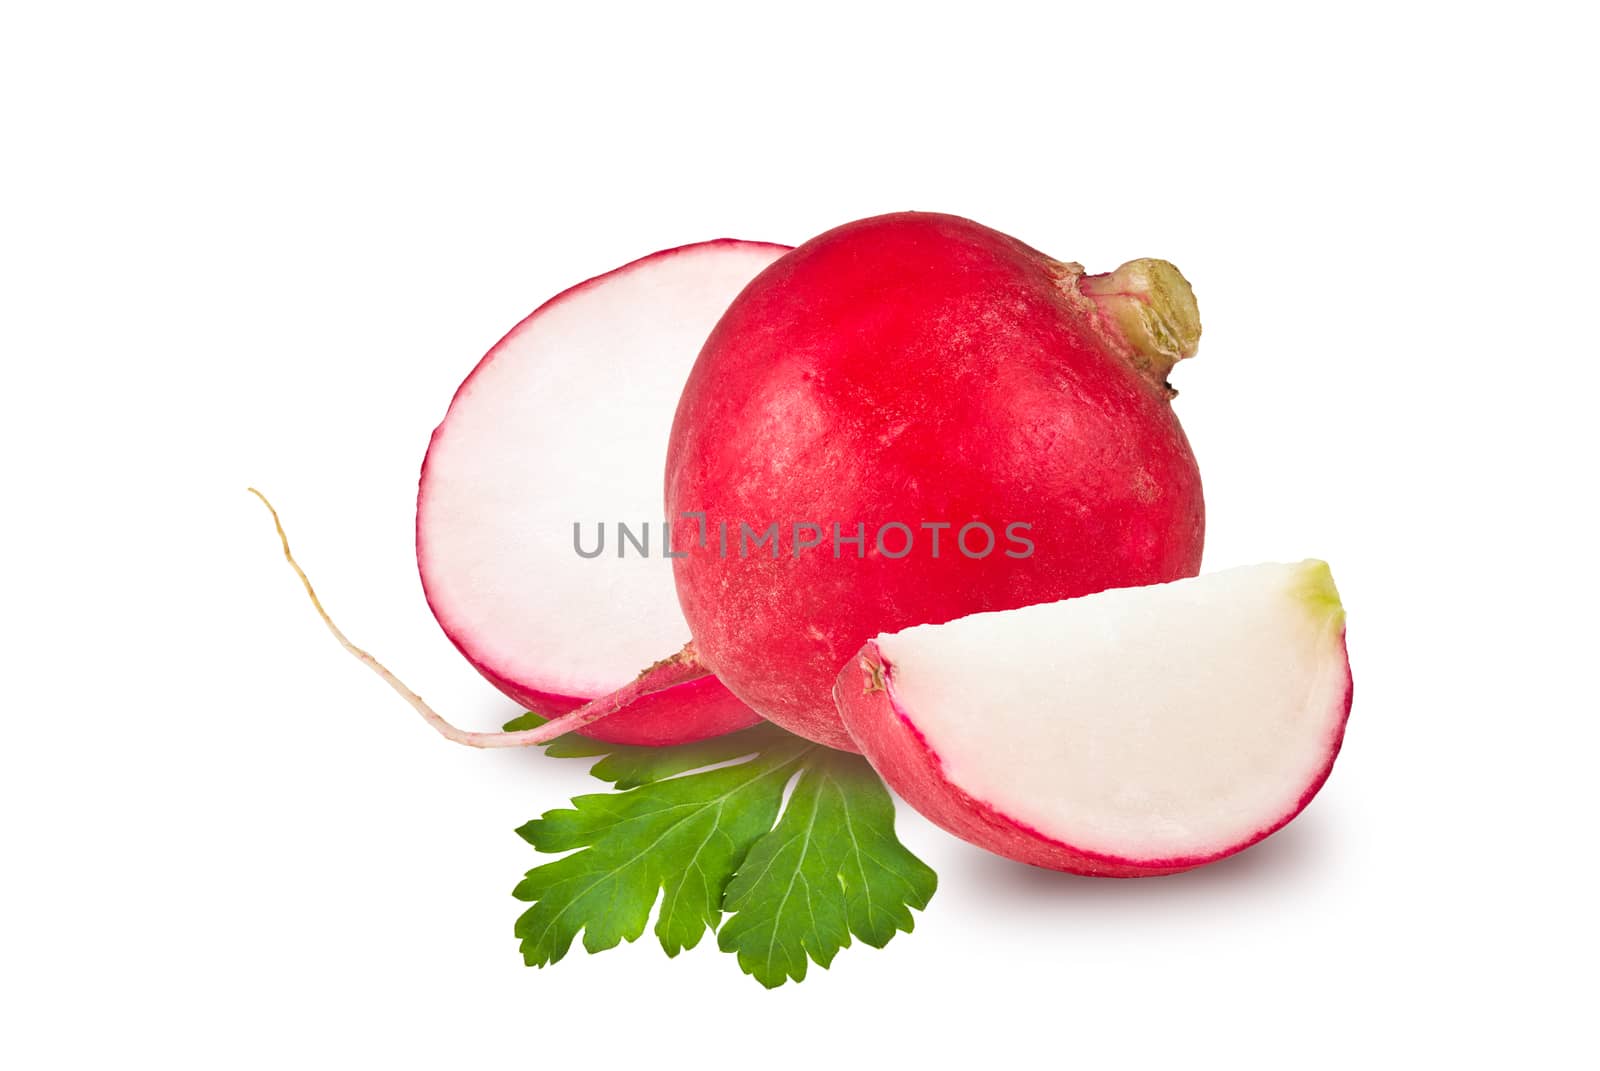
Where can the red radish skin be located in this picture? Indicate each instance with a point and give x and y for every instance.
(921, 368)
(679, 714)
(476, 546)
(865, 694)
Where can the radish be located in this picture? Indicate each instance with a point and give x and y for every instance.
(565, 423)
(919, 383)
(1133, 732)
(914, 375)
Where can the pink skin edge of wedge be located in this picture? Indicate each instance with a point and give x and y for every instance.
(900, 752)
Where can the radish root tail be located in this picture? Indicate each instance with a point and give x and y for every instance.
(680, 668)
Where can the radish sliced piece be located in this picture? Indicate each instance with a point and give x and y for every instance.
(1137, 731)
(566, 420)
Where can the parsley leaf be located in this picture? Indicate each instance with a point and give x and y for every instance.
(831, 868)
(704, 841)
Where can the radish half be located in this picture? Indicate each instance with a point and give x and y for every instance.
(565, 421)
(1133, 732)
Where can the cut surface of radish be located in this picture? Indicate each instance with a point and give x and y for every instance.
(1135, 731)
(565, 422)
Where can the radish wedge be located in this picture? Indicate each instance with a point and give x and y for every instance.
(1134, 732)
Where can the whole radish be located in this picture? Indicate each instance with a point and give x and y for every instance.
(939, 420)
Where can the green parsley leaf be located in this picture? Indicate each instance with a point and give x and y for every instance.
(704, 841)
(831, 868)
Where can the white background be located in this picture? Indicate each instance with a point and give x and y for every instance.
(263, 245)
